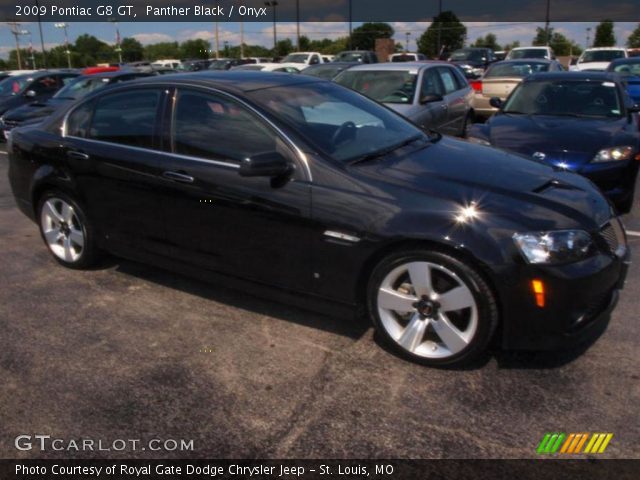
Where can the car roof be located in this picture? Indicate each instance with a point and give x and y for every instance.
(234, 81)
(401, 66)
(540, 47)
(525, 60)
(604, 48)
(595, 76)
(333, 64)
(618, 61)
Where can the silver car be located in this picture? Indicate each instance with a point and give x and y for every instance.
(433, 95)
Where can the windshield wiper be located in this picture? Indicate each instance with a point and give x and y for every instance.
(385, 151)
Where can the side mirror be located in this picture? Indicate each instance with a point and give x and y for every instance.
(635, 108)
(495, 102)
(431, 98)
(271, 164)
(30, 94)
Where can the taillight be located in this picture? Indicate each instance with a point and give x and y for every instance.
(477, 86)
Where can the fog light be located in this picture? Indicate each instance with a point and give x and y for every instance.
(538, 290)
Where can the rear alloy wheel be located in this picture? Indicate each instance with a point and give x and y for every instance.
(432, 308)
(65, 230)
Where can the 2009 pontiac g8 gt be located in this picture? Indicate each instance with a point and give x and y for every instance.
(304, 185)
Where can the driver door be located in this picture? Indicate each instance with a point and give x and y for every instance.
(432, 114)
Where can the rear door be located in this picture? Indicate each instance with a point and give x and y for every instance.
(253, 228)
(112, 144)
(455, 96)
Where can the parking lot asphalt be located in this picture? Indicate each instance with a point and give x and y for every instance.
(127, 351)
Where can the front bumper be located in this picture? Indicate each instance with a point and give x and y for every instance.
(579, 300)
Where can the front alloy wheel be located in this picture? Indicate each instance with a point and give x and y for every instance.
(432, 308)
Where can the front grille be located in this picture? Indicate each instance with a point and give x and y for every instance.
(595, 307)
(614, 238)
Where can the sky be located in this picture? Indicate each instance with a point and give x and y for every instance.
(261, 33)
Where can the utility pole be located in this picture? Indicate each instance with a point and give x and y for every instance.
(547, 21)
(241, 39)
(274, 4)
(439, 28)
(16, 33)
(64, 26)
(44, 53)
(31, 55)
(350, 26)
(118, 48)
(298, 24)
(408, 34)
(588, 33)
(217, 42)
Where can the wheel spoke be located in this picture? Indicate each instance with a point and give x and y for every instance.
(67, 212)
(391, 300)
(412, 336)
(456, 299)
(449, 334)
(77, 237)
(50, 211)
(52, 236)
(69, 254)
(420, 274)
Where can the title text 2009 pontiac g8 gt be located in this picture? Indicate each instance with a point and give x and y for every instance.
(302, 184)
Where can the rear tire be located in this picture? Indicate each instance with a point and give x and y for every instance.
(468, 121)
(66, 230)
(432, 308)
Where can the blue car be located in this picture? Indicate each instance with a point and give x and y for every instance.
(629, 70)
(584, 122)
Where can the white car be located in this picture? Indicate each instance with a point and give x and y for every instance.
(598, 59)
(302, 60)
(166, 63)
(531, 52)
(268, 67)
(407, 57)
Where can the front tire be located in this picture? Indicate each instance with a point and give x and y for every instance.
(431, 307)
(66, 230)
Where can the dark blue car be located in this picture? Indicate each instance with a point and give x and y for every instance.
(583, 122)
(629, 70)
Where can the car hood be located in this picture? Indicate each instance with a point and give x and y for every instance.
(563, 138)
(600, 66)
(405, 109)
(35, 110)
(519, 191)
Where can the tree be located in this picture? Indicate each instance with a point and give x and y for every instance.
(511, 46)
(560, 44)
(132, 50)
(634, 39)
(283, 48)
(364, 37)
(162, 50)
(541, 36)
(488, 41)
(445, 32)
(305, 43)
(197, 48)
(604, 35)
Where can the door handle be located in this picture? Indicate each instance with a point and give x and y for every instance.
(178, 177)
(77, 155)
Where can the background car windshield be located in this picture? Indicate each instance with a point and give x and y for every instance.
(326, 72)
(13, 85)
(391, 86)
(529, 53)
(81, 87)
(601, 55)
(570, 98)
(628, 69)
(516, 69)
(318, 111)
(473, 55)
(295, 58)
(349, 57)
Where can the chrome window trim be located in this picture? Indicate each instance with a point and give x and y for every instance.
(301, 155)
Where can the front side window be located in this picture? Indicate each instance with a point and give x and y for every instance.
(44, 85)
(126, 118)
(448, 80)
(79, 120)
(335, 120)
(388, 86)
(431, 84)
(216, 128)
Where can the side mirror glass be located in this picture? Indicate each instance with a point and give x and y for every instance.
(430, 98)
(495, 102)
(30, 94)
(271, 164)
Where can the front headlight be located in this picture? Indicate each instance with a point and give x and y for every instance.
(560, 246)
(479, 141)
(613, 154)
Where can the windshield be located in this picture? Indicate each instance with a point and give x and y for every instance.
(296, 58)
(349, 57)
(14, 85)
(473, 55)
(520, 69)
(601, 55)
(80, 87)
(565, 98)
(325, 71)
(220, 65)
(529, 53)
(337, 121)
(630, 69)
(390, 86)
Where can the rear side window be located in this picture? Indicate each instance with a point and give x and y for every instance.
(215, 128)
(126, 118)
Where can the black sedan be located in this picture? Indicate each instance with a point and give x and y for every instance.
(75, 89)
(19, 90)
(290, 182)
(582, 122)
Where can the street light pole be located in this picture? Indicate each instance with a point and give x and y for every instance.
(298, 24)
(350, 25)
(547, 21)
(44, 53)
(408, 34)
(439, 27)
(273, 4)
(31, 55)
(241, 39)
(588, 33)
(64, 26)
(16, 33)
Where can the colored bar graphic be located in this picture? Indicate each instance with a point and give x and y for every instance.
(572, 443)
